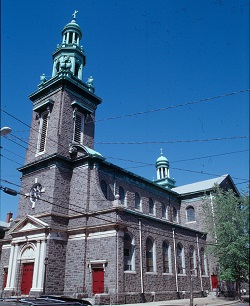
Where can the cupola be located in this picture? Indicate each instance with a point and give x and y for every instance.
(69, 57)
(163, 174)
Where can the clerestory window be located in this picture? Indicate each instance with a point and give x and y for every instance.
(190, 213)
(150, 264)
(166, 256)
(151, 206)
(122, 195)
(137, 201)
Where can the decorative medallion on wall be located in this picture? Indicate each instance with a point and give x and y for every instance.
(35, 193)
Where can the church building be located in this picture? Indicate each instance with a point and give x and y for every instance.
(86, 227)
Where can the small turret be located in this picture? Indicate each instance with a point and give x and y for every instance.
(163, 174)
(69, 57)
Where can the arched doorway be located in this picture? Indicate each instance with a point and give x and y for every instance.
(27, 258)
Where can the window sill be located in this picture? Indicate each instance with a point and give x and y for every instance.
(182, 274)
(151, 273)
(130, 272)
(190, 222)
(39, 153)
(169, 273)
(138, 209)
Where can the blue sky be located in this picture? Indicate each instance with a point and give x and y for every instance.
(143, 55)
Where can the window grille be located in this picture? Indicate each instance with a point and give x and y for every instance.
(78, 131)
(43, 132)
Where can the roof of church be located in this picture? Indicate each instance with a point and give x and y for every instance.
(200, 186)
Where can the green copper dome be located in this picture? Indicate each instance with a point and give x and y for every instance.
(73, 26)
(162, 160)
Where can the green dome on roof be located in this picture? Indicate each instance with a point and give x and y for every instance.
(162, 160)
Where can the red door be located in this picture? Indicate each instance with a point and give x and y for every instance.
(98, 280)
(215, 281)
(27, 276)
(5, 278)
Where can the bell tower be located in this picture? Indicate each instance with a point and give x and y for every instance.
(62, 128)
(69, 55)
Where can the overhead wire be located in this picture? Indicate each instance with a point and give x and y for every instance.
(175, 106)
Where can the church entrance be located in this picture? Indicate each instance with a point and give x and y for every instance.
(97, 280)
(214, 280)
(27, 275)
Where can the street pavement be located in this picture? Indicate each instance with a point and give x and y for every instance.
(209, 300)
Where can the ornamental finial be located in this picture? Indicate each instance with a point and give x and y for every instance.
(161, 151)
(74, 14)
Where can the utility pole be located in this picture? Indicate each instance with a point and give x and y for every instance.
(191, 303)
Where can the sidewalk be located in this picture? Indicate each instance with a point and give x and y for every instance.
(210, 300)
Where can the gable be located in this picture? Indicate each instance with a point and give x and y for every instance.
(28, 223)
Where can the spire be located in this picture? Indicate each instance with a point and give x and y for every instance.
(69, 57)
(162, 170)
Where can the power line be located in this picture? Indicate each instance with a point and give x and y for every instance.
(176, 161)
(179, 169)
(175, 106)
(170, 141)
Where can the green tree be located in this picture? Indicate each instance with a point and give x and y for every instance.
(227, 224)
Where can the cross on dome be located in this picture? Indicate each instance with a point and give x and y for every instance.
(74, 14)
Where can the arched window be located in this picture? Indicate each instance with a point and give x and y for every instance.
(180, 259)
(190, 213)
(203, 262)
(42, 135)
(128, 253)
(57, 66)
(175, 214)
(104, 187)
(149, 255)
(70, 37)
(78, 127)
(192, 260)
(151, 206)
(166, 256)
(77, 67)
(137, 201)
(163, 211)
(122, 195)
